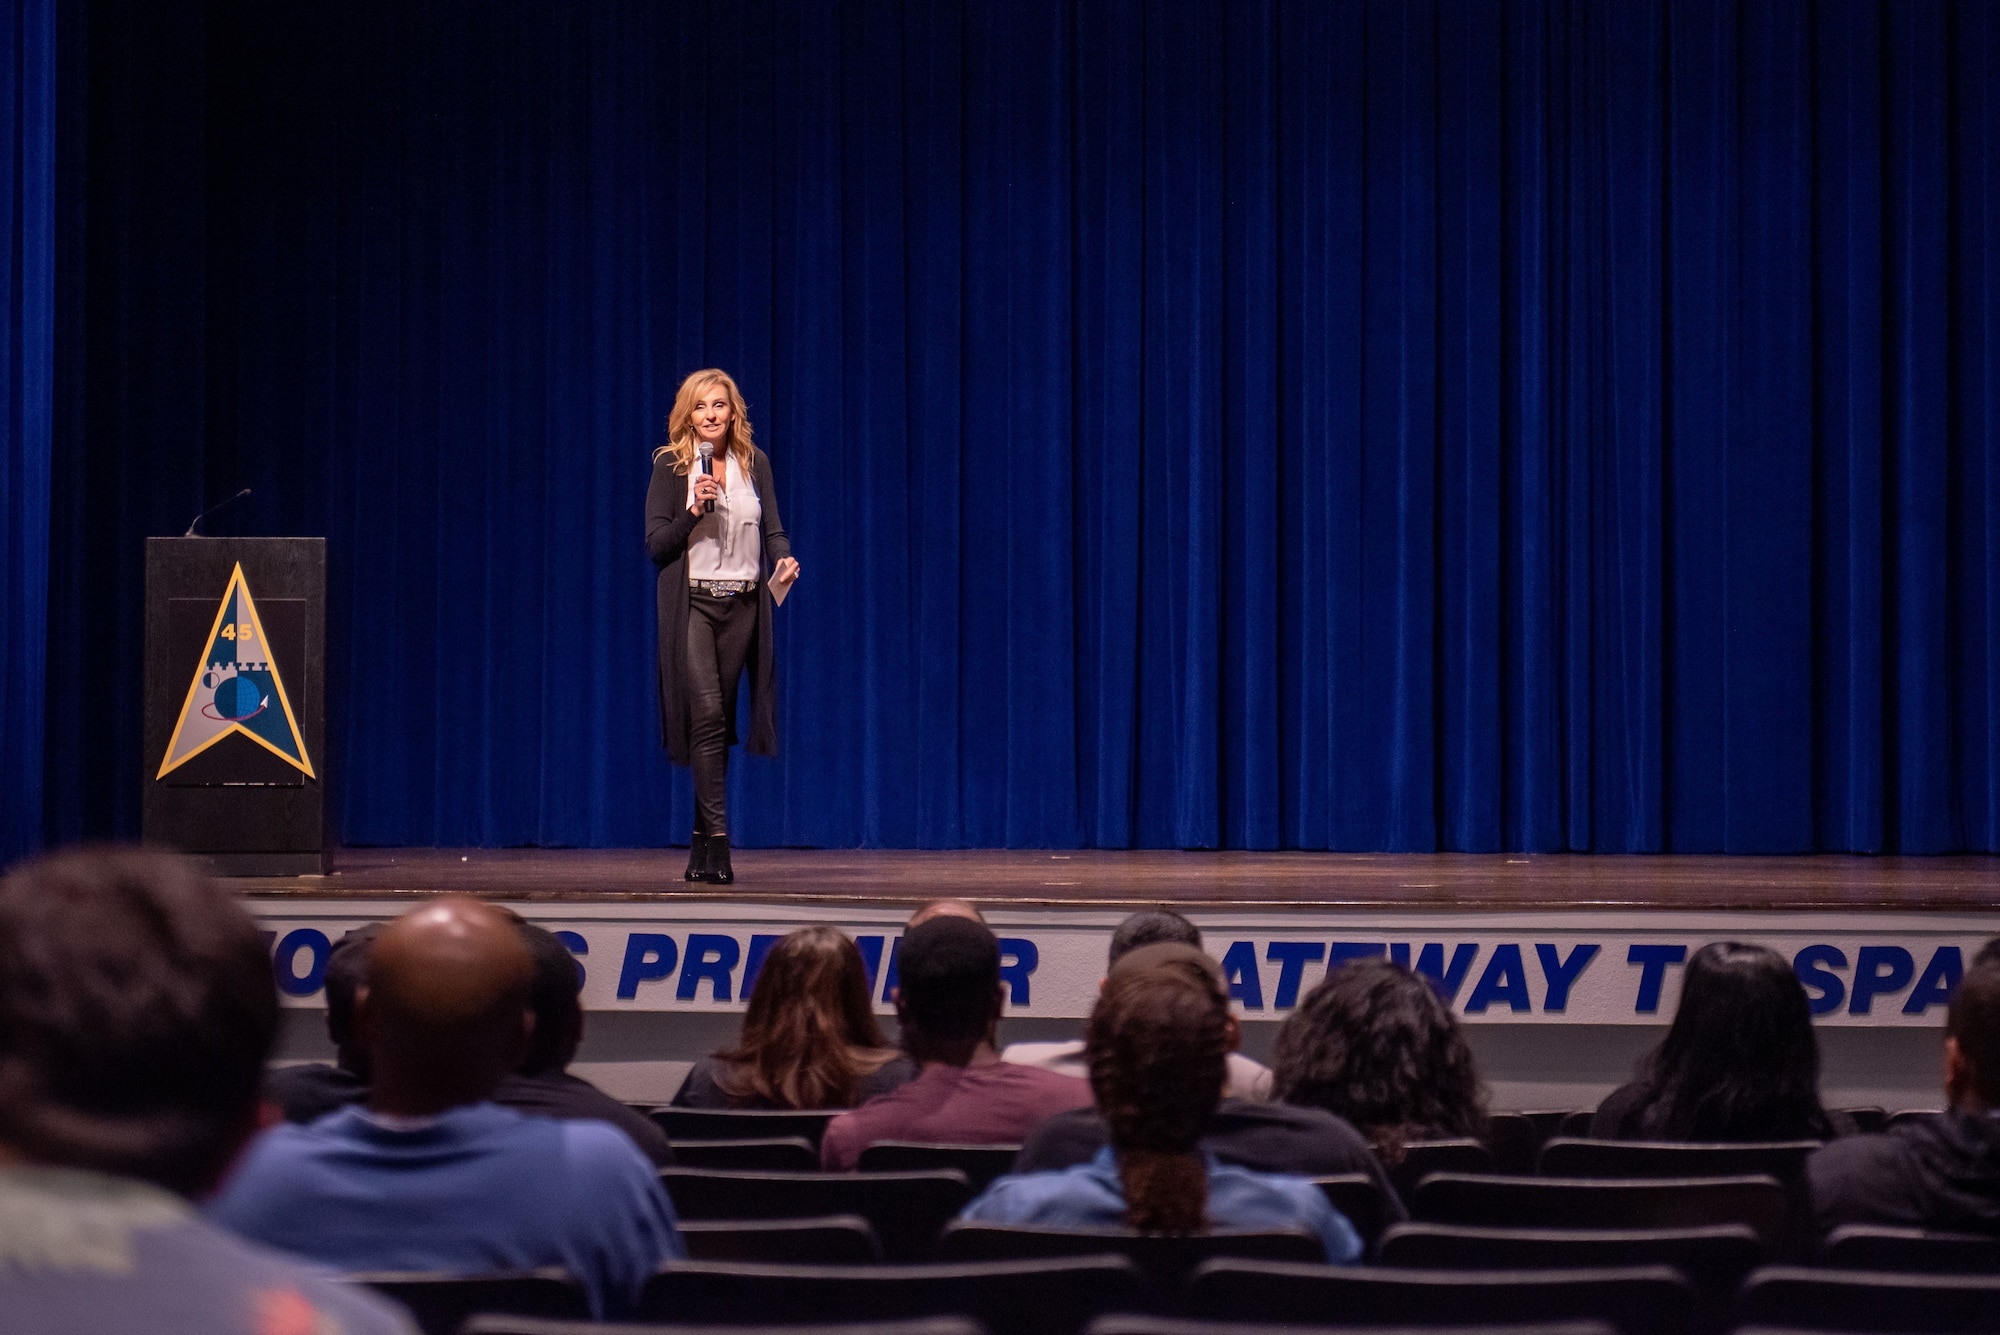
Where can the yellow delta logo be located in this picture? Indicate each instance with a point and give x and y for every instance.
(236, 689)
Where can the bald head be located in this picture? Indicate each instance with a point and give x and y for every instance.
(946, 908)
(444, 1013)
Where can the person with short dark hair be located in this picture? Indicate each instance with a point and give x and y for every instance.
(1739, 1063)
(1247, 1079)
(1940, 1173)
(1157, 1040)
(543, 1086)
(136, 1011)
(1376, 1045)
(809, 1037)
(432, 1175)
(310, 1090)
(948, 1001)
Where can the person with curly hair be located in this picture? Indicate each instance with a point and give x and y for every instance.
(1157, 1041)
(1740, 1061)
(1375, 1044)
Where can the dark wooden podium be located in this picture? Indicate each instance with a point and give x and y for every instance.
(235, 763)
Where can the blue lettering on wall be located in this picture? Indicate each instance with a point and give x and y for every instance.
(574, 943)
(1877, 970)
(1562, 974)
(1018, 959)
(1505, 979)
(1445, 980)
(753, 960)
(871, 958)
(1652, 961)
(888, 992)
(1940, 980)
(1340, 952)
(1239, 969)
(284, 965)
(709, 956)
(649, 957)
(1291, 957)
(1824, 988)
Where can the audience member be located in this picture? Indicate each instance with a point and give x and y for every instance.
(1739, 1062)
(1158, 1040)
(1247, 1079)
(1264, 1137)
(948, 1002)
(136, 1013)
(945, 908)
(1940, 1173)
(809, 1038)
(311, 1090)
(1376, 1045)
(543, 1086)
(431, 1174)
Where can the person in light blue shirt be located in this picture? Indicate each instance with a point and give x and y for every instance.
(432, 1175)
(1157, 1044)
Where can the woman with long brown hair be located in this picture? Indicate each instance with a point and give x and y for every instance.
(1157, 1042)
(713, 531)
(809, 1039)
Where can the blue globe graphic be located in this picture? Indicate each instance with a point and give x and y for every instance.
(236, 698)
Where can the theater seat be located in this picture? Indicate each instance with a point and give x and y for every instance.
(1358, 1197)
(1565, 1157)
(441, 1302)
(734, 1124)
(1870, 1300)
(1165, 1260)
(938, 1325)
(1859, 1247)
(906, 1210)
(835, 1240)
(774, 1154)
(980, 1163)
(1048, 1297)
(1424, 1157)
(1567, 1203)
(1638, 1300)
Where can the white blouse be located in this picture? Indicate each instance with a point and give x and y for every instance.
(729, 543)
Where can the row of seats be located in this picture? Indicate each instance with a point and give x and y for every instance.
(1062, 1296)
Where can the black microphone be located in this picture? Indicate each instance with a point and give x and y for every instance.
(706, 453)
(211, 510)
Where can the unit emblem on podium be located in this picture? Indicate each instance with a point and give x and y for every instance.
(237, 689)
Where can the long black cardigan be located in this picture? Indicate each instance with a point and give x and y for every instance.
(668, 526)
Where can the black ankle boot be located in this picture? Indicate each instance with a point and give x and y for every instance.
(697, 858)
(718, 860)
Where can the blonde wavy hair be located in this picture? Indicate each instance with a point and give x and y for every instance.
(681, 436)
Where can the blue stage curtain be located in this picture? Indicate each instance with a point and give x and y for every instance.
(1385, 425)
(27, 346)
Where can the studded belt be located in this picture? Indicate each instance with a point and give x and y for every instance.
(722, 588)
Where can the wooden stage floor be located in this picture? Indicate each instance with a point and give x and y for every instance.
(1100, 879)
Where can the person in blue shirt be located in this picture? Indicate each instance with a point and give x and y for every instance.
(1157, 1045)
(431, 1174)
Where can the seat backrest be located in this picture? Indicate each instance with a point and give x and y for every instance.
(1870, 1300)
(1046, 1297)
(774, 1154)
(1164, 1260)
(906, 1210)
(980, 1163)
(1357, 1196)
(1868, 1121)
(1424, 1157)
(836, 1240)
(1566, 1157)
(521, 1325)
(1718, 1256)
(441, 1302)
(1515, 1139)
(1130, 1323)
(1758, 1201)
(1575, 1124)
(1908, 1115)
(743, 1124)
(1637, 1300)
(1861, 1247)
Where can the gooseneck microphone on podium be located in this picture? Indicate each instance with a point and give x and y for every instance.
(211, 510)
(706, 453)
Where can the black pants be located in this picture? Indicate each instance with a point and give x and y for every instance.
(720, 634)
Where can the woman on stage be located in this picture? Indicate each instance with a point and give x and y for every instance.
(712, 528)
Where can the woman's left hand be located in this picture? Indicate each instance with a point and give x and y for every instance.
(785, 571)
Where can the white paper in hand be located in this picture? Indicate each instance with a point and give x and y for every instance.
(781, 587)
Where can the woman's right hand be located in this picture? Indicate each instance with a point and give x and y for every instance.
(705, 488)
